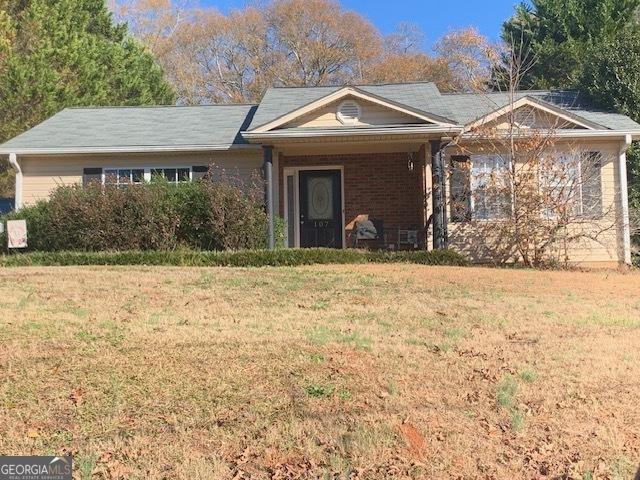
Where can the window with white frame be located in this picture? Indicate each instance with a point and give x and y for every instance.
(571, 184)
(172, 175)
(480, 188)
(123, 177)
(490, 187)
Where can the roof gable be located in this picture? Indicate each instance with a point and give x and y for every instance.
(368, 114)
(532, 112)
(422, 96)
(352, 93)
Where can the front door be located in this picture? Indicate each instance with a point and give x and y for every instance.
(320, 208)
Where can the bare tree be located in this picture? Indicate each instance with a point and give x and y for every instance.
(469, 57)
(211, 57)
(529, 193)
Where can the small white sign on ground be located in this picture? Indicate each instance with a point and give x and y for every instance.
(17, 233)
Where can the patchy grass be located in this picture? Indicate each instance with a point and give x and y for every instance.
(372, 372)
(527, 375)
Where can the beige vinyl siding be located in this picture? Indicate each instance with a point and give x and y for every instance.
(475, 240)
(41, 175)
(371, 114)
(530, 117)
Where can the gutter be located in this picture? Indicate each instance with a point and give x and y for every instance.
(635, 135)
(13, 161)
(326, 133)
(624, 199)
(128, 149)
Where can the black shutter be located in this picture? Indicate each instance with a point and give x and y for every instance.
(91, 175)
(590, 171)
(460, 188)
(199, 171)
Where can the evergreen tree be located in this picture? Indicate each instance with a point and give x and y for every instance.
(69, 53)
(611, 79)
(557, 34)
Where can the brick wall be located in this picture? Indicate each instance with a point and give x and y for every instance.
(376, 186)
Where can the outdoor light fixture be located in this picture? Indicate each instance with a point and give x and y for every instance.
(410, 163)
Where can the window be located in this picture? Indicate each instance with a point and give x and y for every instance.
(479, 188)
(490, 187)
(571, 184)
(172, 175)
(122, 178)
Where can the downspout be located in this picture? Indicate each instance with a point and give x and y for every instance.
(624, 200)
(13, 161)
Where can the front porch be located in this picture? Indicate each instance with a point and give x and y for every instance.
(323, 196)
(352, 155)
(386, 187)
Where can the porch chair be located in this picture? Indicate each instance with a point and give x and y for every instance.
(408, 239)
(370, 233)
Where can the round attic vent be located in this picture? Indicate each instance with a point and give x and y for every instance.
(348, 112)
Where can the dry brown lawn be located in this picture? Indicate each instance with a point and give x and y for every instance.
(323, 372)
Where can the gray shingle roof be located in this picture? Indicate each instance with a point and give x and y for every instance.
(280, 101)
(167, 126)
(467, 107)
(221, 125)
(461, 108)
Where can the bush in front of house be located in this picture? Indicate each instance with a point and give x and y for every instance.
(219, 215)
(244, 258)
(153, 216)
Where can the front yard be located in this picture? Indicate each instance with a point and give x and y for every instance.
(367, 371)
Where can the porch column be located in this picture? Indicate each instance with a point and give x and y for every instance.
(267, 165)
(437, 188)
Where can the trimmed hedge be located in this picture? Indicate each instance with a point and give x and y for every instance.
(243, 258)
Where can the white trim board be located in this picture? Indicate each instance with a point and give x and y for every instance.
(125, 149)
(320, 133)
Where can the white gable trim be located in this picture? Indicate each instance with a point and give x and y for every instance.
(356, 93)
(539, 105)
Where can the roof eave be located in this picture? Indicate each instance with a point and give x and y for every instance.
(123, 149)
(347, 132)
(635, 134)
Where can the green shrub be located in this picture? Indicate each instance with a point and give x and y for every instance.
(154, 216)
(245, 258)
(221, 215)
